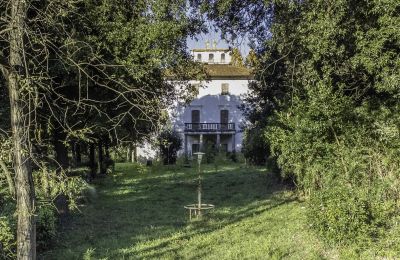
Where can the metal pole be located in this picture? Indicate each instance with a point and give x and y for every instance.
(199, 192)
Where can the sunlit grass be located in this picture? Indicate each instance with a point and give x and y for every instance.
(139, 216)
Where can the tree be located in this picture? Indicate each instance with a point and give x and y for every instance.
(15, 74)
(73, 78)
(170, 143)
(252, 60)
(327, 102)
(237, 59)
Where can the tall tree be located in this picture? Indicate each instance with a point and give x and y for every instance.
(15, 73)
(83, 69)
(327, 100)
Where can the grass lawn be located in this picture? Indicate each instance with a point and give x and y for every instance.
(141, 215)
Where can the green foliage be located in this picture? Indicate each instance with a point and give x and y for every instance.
(170, 143)
(237, 59)
(327, 98)
(252, 60)
(255, 149)
(7, 239)
(210, 152)
(140, 168)
(46, 226)
(50, 184)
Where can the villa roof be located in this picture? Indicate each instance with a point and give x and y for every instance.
(221, 71)
(224, 71)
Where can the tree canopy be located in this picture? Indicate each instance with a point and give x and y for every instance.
(327, 102)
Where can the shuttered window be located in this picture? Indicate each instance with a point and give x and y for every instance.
(196, 116)
(224, 116)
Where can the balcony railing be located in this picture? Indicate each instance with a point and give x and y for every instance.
(209, 127)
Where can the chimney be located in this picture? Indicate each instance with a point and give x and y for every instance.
(215, 44)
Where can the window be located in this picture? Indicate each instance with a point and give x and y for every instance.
(199, 57)
(223, 57)
(224, 116)
(225, 89)
(195, 119)
(210, 57)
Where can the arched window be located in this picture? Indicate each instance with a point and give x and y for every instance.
(223, 57)
(211, 57)
(199, 57)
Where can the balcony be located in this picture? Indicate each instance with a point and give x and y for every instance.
(210, 127)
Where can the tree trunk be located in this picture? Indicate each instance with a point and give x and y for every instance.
(135, 153)
(92, 162)
(107, 149)
(26, 230)
(101, 158)
(60, 148)
(78, 153)
(128, 154)
(74, 156)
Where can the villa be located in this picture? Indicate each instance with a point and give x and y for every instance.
(213, 117)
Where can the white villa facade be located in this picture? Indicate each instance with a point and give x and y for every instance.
(213, 117)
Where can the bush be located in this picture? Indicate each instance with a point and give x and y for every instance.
(354, 193)
(139, 168)
(255, 148)
(210, 152)
(347, 214)
(46, 226)
(7, 238)
(170, 143)
(49, 185)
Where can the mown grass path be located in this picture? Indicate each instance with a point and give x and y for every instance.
(141, 216)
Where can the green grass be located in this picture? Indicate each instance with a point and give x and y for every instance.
(141, 216)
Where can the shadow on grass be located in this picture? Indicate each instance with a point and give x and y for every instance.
(133, 208)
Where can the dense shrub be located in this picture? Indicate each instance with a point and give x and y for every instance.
(210, 152)
(7, 238)
(255, 148)
(352, 179)
(170, 143)
(344, 214)
(49, 185)
(326, 101)
(46, 226)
